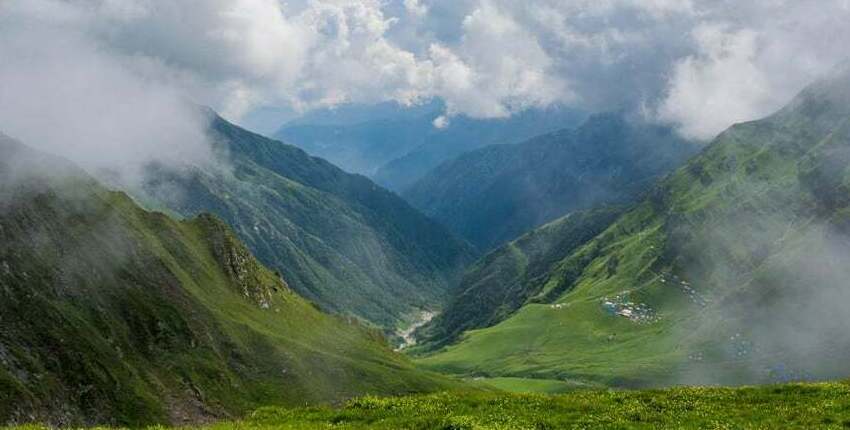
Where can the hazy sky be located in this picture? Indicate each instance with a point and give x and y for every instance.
(111, 70)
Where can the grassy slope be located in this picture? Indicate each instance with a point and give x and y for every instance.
(755, 226)
(339, 240)
(111, 314)
(505, 279)
(824, 406)
(497, 193)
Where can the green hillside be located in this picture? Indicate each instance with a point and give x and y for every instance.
(112, 314)
(495, 194)
(504, 280)
(732, 270)
(337, 238)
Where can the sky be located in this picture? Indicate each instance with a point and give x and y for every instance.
(109, 78)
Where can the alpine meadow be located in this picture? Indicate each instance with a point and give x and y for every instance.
(424, 214)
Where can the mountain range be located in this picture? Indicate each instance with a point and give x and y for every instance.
(112, 314)
(494, 194)
(397, 145)
(614, 253)
(340, 240)
(731, 270)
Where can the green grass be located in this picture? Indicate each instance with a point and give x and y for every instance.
(822, 406)
(488, 292)
(127, 317)
(528, 385)
(580, 340)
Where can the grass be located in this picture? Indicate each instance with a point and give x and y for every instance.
(529, 385)
(580, 340)
(127, 317)
(749, 224)
(798, 406)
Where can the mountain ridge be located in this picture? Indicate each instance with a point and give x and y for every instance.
(116, 315)
(397, 145)
(494, 194)
(338, 238)
(731, 270)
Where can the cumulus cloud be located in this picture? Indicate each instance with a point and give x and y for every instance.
(441, 122)
(746, 66)
(719, 86)
(700, 64)
(499, 54)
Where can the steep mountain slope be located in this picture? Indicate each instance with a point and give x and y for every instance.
(111, 314)
(397, 146)
(732, 270)
(501, 282)
(494, 194)
(338, 239)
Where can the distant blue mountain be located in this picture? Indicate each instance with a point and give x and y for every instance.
(494, 194)
(397, 145)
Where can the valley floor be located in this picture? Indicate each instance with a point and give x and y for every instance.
(803, 406)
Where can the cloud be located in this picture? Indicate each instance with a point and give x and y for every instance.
(415, 8)
(441, 122)
(238, 55)
(485, 58)
(746, 67)
(59, 92)
(719, 86)
(699, 64)
(499, 54)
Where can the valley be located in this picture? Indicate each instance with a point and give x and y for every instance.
(413, 214)
(407, 335)
(128, 317)
(670, 293)
(654, 292)
(341, 241)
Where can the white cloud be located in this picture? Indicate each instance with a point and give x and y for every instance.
(415, 8)
(441, 122)
(508, 61)
(240, 54)
(61, 93)
(485, 58)
(746, 66)
(719, 86)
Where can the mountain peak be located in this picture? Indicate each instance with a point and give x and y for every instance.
(825, 101)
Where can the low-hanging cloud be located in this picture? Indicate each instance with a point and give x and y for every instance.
(61, 93)
(750, 59)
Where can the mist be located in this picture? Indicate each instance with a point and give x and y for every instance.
(787, 320)
(62, 93)
(771, 253)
